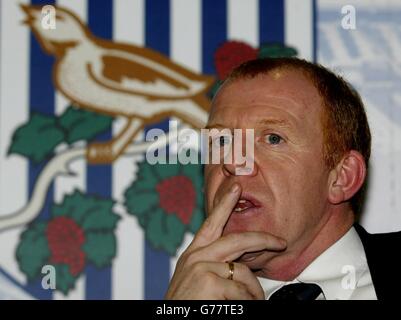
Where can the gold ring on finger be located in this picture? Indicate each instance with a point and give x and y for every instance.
(230, 270)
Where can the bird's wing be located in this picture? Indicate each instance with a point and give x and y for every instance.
(140, 74)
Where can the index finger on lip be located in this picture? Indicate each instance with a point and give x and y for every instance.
(212, 228)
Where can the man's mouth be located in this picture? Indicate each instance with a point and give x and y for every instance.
(244, 204)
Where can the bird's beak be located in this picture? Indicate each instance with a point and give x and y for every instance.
(30, 12)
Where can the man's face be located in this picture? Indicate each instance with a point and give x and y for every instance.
(286, 193)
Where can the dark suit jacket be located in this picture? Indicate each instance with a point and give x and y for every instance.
(383, 252)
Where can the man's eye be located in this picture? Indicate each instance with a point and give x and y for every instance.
(221, 141)
(273, 138)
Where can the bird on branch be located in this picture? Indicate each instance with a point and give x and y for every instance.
(118, 79)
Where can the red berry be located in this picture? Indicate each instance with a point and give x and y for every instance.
(230, 55)
(65, 239)
(177, 195)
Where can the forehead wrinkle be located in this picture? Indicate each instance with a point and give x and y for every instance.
(216, 126)
(265, 100)
(266, 115)
(274, 122)
(295, 104)
(273, 89)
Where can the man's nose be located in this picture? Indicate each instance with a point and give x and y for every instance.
(236, 169)
(240, 160)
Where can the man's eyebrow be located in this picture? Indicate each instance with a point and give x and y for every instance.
(279, 122)
(215, 126)
(261, 123)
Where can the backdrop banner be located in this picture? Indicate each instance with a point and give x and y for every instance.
(83, 215)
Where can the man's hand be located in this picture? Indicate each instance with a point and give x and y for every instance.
(202, 271)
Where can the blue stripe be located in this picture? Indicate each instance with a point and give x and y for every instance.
(271, 21)
(214, 31)
(157, 262)
(157, 25)
(41, 99)
(98, 281)
(157, 37)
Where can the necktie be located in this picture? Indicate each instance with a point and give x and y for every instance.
(297, 292)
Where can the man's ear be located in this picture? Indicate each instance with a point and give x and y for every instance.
(347, 177)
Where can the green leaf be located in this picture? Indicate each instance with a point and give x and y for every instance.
(198, 217)
(33, 251)
(65, 281)
(146, 177)
(165, 232)
(90, 212)
(101, 219)
(82, 124)
(195, 173)
(140, 203)
(164, 171)
(38, 138)
(100, 248)
(276, 50)
(74, 206)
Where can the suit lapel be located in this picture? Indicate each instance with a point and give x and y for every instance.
(384, 266)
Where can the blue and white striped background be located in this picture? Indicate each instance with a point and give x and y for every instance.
(188, 31)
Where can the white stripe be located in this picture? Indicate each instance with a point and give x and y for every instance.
(14, 106)
(79, 7)
(127, 270)
(298, 17)
(186, 49)
(64, 185)
(337, 46)
(128, 21)
(243, 21)
(185, 33)
(391, 38)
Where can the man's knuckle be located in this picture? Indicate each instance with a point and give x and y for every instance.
(241, 288)
(198, 268)
(209, 279)
(193, 257)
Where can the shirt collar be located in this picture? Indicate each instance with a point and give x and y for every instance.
(337, 270)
